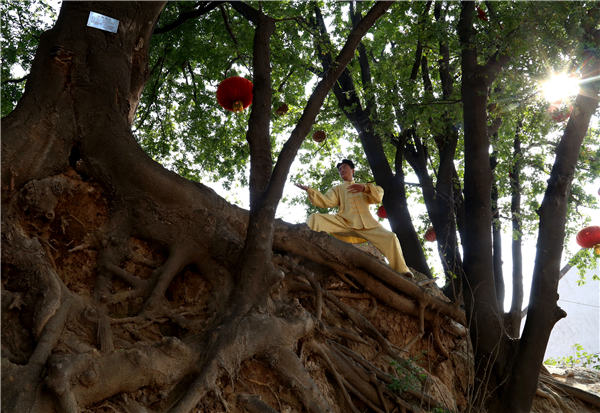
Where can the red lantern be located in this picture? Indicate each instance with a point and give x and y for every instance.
(558, 113)
(481, 14)
(430, 234)
(588, 237)
(319, 136)
(381, 212)
(282, 109)
(235, 93)
(560, 116)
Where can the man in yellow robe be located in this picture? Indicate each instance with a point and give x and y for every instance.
(354, 223)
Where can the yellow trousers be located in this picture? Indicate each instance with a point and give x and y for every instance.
(385, 241)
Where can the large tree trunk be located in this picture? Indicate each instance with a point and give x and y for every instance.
(128, 287)
(479, 291)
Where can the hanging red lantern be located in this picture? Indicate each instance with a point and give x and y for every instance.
(560, 115)
(282, 109)
(588, 237)
(481, 14)
(381, 212)
(430, 234)
(319, 136)
(235, 93)
(558, 112)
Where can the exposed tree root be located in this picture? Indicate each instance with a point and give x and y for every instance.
(235, 341)
(178, 259)
(134, 324)
(549, 386)
(105, 336)
(86, 378)
(334, 372)
(437, 340)
(253, 404)
(22, 377)
(319, 247)
(50, 314)
(290, 367)
(138, 283)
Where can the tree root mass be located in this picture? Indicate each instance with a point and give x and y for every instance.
(113, 312)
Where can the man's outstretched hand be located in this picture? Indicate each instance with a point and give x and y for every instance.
(354, 188)
(303, 187)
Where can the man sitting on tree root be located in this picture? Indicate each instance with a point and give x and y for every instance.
(354, 223)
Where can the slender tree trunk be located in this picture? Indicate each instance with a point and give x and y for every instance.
(514, 315)
(543, 311)
(497, 235)
(445, 222)
(440, 200)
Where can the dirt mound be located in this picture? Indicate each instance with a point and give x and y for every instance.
(363, 343)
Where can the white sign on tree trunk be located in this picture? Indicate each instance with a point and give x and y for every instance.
(102, 22)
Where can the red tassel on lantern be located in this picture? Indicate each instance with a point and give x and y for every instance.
(588, 237)
(381, 212)
(235, 93)
(430, 234)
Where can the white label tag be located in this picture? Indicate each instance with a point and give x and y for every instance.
(102, 22)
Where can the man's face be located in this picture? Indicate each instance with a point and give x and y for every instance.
(346, 173)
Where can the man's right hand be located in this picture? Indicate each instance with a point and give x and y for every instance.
(304, 187)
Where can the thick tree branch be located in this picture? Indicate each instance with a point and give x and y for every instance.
(365, 68)
(20, 80)
(228, 25)
(290, 148)
(247, 11)
(496, 230)
(201, 9)
(419, 50)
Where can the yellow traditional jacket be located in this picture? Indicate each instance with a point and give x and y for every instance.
(353, 207)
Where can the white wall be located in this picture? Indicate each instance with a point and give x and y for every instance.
(582, 324)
